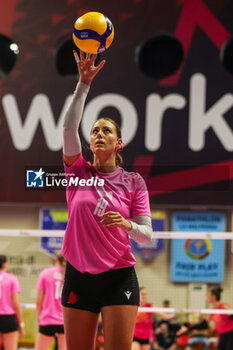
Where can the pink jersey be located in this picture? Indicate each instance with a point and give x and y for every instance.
(144, 324)
(88, 245)
(223, 323)
(51, 283)
(8, 285)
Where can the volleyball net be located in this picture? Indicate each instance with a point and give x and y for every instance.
(30, 251)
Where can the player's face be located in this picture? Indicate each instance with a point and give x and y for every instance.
(104, 137)
(164, 328)
(210, 298)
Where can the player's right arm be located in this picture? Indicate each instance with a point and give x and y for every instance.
(18, 313)
(71, 141)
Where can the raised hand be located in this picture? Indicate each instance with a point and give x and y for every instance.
(86, 66)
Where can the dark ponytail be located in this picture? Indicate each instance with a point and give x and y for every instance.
(216, 292)
(61, 260)
(3, 260)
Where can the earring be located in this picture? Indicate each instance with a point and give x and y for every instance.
(120, 149)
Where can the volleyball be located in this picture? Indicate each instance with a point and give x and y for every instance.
(93, 32)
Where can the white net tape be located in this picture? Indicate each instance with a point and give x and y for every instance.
(185, 311)
(156, 235)
(165, 310)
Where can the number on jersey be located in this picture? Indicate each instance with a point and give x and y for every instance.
(101, 206)
(58, 289)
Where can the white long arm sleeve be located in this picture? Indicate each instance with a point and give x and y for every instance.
(71, 140)
(141, 229)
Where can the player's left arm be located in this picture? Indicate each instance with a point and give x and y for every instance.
(141, 231)
(39, 303)
(227, 307)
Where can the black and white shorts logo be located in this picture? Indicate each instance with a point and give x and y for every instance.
(128, 294)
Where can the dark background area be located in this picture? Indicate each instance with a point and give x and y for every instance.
(37, 27)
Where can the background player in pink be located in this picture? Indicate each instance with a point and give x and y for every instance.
(100, 275)
(48, 306)
(223, 323)
(10, 312)
(143, 332)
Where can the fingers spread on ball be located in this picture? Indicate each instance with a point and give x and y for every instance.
(100, 66)
(76, 56)
(82, 55)
(93, 58)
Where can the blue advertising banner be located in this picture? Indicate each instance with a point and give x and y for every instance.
(156, 246)
(52, 219)
(51, 245)
(197, 260)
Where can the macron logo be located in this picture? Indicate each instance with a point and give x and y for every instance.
(128, 294)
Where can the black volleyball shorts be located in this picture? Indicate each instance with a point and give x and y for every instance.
(8, 323)
(91, 292)
(51, 330)
(142, 341)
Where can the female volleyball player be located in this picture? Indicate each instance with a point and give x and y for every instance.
(48, 306)
(10, 312)
(143, 332)
(223, 323)
(100, 275)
